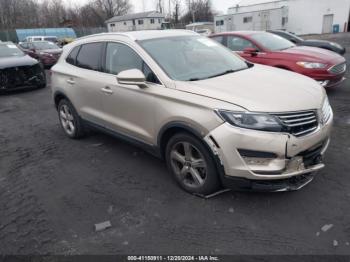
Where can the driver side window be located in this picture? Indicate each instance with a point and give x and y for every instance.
(238, 44)
(120, 57)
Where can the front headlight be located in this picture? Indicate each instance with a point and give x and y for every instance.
(263, 122)
(311, 65)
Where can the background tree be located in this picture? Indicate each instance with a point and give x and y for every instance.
(198, 11)
(17, 14)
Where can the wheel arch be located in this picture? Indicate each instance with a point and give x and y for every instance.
(172, 128)
(58, 96)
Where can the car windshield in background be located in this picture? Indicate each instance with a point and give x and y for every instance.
(51, 39)
(44, 45)
(272, 42)
(192, 58)
(299, 39)
(9, 49)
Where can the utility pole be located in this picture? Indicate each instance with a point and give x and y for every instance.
(169, 9)
(192, 11)
(160, 6)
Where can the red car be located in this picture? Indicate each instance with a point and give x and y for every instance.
(46, 52)
(326, 67)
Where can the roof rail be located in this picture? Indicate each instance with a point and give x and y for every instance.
(106, 34)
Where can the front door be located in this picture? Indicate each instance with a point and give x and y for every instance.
(129, 109)
(239, 44)
(327, 24)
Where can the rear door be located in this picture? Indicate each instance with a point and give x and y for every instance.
(84, 80)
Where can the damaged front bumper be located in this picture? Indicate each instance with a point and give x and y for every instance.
(263, 161)
(22, 77)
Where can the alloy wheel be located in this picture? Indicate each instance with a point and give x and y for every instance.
(189, 164)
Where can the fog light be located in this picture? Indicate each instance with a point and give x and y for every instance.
(323, 83)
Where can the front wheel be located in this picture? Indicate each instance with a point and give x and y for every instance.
(192, 165)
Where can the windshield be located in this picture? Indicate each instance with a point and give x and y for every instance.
(192, 58)
(297, 38)
(272, 42)
(9, 49)
(44, 45)
(51, 39)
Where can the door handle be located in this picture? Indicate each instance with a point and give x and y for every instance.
(107, 90)
(71, 81)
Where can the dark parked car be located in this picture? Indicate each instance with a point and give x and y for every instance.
(18, 70)
(315, 43)
(46, 52)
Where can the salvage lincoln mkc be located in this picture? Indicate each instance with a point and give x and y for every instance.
(216, 119)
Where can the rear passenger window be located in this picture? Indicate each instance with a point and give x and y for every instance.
(73, 56)
(89, 56)
(120, 57)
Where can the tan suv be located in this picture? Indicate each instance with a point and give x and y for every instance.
(215, 118)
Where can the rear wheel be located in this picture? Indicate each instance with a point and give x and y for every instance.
(70, 121)
(192, 165)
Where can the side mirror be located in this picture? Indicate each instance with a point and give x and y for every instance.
(251, 51)
(132, 77)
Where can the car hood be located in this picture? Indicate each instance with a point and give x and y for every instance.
(323, 43)
(261, 89)
(314, 54)
(15, 61)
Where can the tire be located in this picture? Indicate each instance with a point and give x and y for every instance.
(71, 123)
(186, 167)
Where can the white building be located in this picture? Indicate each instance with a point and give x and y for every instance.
(134, 22)
(298, 16)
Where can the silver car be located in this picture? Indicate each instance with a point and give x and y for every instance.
(216, 119)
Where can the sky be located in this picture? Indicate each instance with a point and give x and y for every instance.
(218, 5)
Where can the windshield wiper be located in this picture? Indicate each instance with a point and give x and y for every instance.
(223, 73)
(195, 79)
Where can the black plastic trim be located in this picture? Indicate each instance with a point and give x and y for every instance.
(256, 154)
(153, 150)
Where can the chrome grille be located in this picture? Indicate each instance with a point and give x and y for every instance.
(299, 123)
(338, 69)
(326, 112)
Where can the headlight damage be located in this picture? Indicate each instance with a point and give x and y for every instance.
(263, 122)
(295, 123)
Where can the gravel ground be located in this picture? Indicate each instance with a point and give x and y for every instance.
(53, 190)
